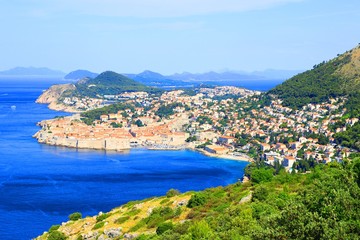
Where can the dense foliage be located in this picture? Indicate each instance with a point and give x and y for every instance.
(167, 110)
(75, 216)
(314, 86)
(323, 204)
(350, 138)
(90, 116)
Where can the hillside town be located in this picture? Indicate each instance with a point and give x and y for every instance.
(220, 121)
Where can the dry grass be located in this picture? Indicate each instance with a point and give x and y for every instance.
(136, 212)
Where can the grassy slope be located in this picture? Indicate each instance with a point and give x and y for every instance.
(321, 205)
(131, 215)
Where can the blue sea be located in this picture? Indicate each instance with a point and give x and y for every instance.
(41, 185)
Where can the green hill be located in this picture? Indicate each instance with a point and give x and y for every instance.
(337, 77)
(110, 83)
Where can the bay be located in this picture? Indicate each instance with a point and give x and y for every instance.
(41, 185)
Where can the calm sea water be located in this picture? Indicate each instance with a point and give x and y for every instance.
(41, 185)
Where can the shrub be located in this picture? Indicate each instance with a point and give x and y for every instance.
(260, 194)
(137, 226)
(201, 230)
(163, 227)
(102, 217)
(172, 192)
(56, 235)
(154, 220)
(133, 212)
(261, 175)
(166, 212)
(75, 216)
(164, 201)
(177, 212)
(121, 220)
(197, 199)
(99, 225)
(53, 228)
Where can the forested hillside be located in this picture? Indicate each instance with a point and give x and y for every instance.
(337, 77)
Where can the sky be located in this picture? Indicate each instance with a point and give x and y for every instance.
(174, 36)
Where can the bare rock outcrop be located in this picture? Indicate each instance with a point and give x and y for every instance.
(54, 93)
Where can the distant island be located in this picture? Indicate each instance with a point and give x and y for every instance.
(32, 72)
(80, 74)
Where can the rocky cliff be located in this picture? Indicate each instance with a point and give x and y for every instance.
(52, 96)
(54, 93)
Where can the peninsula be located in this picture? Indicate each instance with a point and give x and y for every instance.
(167, 121)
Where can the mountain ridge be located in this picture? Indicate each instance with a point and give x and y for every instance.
(32, 71)
(79, 74)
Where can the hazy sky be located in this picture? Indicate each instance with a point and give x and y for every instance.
(171, 36)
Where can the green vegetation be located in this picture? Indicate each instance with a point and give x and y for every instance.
(259, 175)
(167, 110)
(191, 139)
(122, 219)
(133, 212)
(225, 97)
(90, 116)
(99, 225)
(102, 217)
(116, 125)
(56, 235)
(313, 86)
(204, 119)
(157, 219)
(198, 199)
(139, 123)
(320, 205)
(189, 91)
(75, 216)
(111, 83)
(172, 192)
(338, 77)
(350, 138)
(163, 227)
(326, 80)
(54, 228)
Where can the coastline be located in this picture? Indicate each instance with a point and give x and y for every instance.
(243, 158)
(61, 108)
